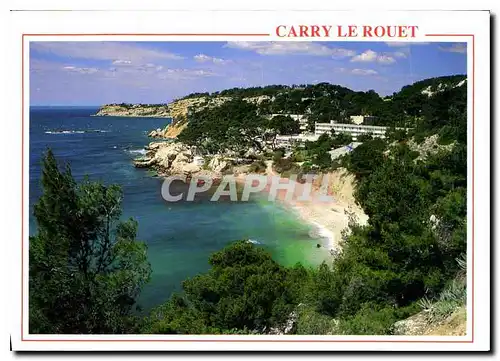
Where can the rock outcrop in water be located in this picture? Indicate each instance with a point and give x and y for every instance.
(175, 158)
(168, 158)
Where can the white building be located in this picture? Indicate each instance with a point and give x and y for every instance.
(287, 141)
(354, 130)
(320, 128)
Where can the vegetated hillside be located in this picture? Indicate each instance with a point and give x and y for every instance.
(327, 101)
(324, 102)
(321, 102)
(433, 85)
(238, 122)
(422, 98)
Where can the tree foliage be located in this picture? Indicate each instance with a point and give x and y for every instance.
(234, 125)
(86, 268)
(244, 290)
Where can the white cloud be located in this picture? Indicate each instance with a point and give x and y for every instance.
(341, 52)
(399, 54)
(284, 48)
(122, 62)
(386, 59)
(186, 74)
(373, 56)
(111, 51)
(363, 72)
(81, 70)
(202, 58)
(145, 68)
(366, 56)
(455, 48)
(357, 71)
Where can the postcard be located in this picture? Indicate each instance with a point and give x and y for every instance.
(262, 180)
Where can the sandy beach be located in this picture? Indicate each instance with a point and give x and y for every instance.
(328, 217)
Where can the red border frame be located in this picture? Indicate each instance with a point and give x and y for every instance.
(229, 340)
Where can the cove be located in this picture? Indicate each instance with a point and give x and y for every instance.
(180, 236)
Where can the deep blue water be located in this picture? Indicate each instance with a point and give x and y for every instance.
(180, 236)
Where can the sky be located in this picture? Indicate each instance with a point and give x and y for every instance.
(95, 73)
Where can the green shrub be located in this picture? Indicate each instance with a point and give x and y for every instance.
(278, 153)
(299, 156)
(86, 267)
(369, 320)
(365, 138)
(283, 165)
(258, 166)
(419, 138)
(307, 168)
(311, 322)
(453, 296)
(447, 135)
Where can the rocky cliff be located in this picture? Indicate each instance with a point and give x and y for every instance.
(179, 111)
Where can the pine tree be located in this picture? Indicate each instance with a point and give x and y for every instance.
(86, 268)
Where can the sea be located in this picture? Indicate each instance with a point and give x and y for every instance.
(180, 235)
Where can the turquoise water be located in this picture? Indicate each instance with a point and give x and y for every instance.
(180, 236)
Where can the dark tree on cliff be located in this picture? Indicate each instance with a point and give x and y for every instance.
(282, 125)
(86, 268)
(234, 125)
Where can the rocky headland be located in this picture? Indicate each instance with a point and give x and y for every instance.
(134, 110)
(178, 110)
